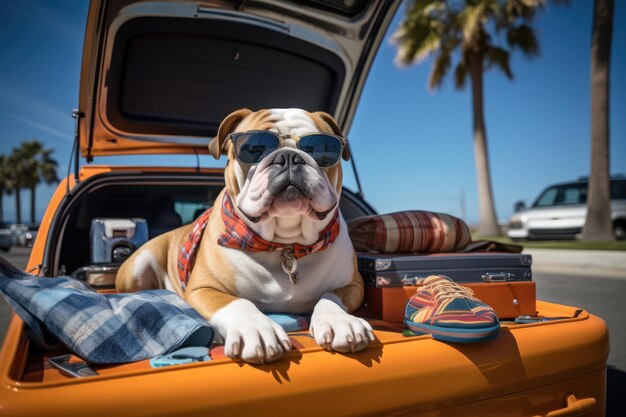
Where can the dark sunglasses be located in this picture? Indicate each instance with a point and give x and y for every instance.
(254, 145)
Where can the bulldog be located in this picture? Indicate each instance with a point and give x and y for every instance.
(274, 240)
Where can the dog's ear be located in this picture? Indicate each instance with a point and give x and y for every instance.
(332, 124)
(228, 125)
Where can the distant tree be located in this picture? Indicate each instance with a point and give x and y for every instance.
(473, 29)
(6, 181)
(598, 225)
(16, 174)
(34, 165)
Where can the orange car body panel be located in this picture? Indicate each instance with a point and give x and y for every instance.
(529, 369)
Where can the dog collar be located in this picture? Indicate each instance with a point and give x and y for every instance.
(187, 254)
(238, 235)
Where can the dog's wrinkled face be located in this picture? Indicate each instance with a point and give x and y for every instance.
(286, 197)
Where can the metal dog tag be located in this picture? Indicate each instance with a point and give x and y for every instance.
(290, 266)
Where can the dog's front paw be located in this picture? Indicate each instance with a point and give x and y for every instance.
(334, 329)
(249, 334)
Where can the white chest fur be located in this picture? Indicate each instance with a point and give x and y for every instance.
(260, 278)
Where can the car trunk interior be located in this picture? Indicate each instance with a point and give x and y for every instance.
(164, 200)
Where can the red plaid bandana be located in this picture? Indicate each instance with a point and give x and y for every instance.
(187, 254)
(239, 236)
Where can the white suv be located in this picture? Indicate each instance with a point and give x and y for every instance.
(560, 210)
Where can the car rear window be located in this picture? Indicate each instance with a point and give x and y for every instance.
(565, 194)
(575, 193)
(181, 78)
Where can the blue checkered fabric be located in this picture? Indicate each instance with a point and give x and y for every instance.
(102, 328)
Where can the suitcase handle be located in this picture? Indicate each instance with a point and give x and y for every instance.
(497, 276)
(575, 407)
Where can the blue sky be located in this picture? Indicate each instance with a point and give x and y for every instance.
(413, 147)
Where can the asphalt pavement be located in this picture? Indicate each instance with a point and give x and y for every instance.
(590, 263)
(18, 257)
(592, 280)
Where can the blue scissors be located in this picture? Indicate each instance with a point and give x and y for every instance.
(181, 356)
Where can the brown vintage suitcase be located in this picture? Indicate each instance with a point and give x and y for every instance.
(502, 280)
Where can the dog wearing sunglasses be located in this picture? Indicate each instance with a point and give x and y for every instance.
(274, 240)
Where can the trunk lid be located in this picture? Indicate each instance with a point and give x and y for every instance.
(159, 76)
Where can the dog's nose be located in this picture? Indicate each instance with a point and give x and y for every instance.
(288, 158)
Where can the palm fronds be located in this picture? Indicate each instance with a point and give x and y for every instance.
(31, 164)
(437, 28)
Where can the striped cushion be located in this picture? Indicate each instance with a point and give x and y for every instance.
(409, 232)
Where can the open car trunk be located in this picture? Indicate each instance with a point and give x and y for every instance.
(529, 369)
(165, 198)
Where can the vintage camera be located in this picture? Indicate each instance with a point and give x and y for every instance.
(114, 240)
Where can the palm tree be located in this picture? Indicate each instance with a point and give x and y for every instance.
(34, 165)
(6, 181)
(440, 28)
(16, 174)
(598, 222)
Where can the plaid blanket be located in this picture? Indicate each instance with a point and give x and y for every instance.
(102, 328)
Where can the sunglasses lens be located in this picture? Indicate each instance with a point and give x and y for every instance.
(325, 149)
(252, 147)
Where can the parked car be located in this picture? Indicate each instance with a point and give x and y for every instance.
(24, 234)
(560, 211)
(17, 231)
(157, 78)
(6, 237)
(31, 235)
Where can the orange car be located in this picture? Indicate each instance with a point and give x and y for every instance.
(157, 78)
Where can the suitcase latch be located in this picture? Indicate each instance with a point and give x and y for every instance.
(497, 276)
(382, 264)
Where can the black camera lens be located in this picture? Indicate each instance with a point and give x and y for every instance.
(121, 253)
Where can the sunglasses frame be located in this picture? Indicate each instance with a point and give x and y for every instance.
(281, 139)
